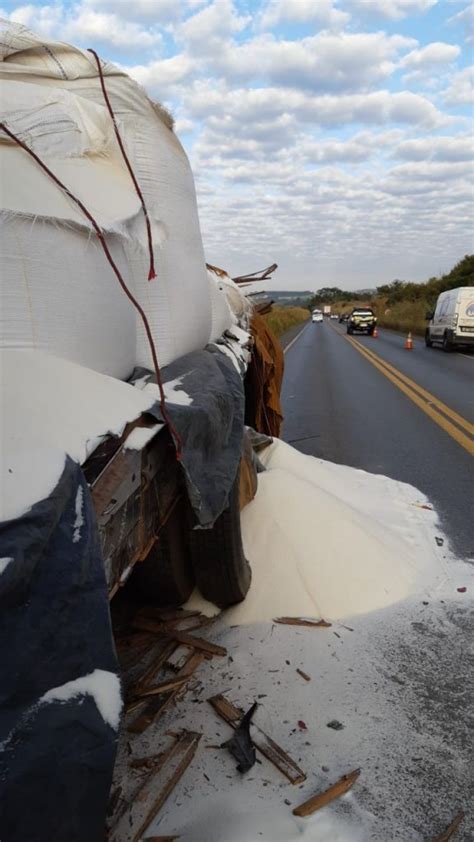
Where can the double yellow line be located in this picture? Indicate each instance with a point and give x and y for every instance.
(455, 425)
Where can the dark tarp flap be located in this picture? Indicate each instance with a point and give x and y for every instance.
(211, 426)
(56, 756)
(57, 753)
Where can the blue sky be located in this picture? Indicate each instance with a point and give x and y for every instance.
(333, 137)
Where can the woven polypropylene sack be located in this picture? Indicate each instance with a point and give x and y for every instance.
(58, 295)
(177, 302)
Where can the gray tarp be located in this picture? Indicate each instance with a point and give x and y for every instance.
(57, 757)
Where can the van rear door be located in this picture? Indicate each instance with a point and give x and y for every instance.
(465, 312)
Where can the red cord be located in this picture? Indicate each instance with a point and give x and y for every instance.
(151, 273)
(100, 235)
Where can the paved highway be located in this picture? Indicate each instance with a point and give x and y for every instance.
(372, 404)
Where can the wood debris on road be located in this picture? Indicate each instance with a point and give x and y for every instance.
(302, 621)
(158, 705)
(181, 636)
(137, 815)
(451, 830)
(303, 674)
(314, 803)
(262, 742)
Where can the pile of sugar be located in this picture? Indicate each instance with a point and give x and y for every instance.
(325, 540)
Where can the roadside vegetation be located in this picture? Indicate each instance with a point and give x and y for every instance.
(280, 319)
(401, 305)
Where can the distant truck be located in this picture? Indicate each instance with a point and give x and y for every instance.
(327, 309)
(452, 321)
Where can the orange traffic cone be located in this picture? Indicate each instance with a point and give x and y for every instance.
(409, 343)
(375, 333)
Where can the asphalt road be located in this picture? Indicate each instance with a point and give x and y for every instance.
(372, 404)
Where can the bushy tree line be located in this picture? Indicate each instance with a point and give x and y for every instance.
(462, 275)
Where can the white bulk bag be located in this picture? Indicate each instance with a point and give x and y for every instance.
(58, 293)
(177, 302)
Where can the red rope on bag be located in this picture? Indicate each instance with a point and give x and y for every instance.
(118, 275)
(151, 273)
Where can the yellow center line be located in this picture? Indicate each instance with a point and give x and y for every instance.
(426, 404)
(446, 410)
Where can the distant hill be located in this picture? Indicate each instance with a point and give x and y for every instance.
(289, 298)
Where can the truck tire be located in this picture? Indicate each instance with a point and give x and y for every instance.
(428, 341)
(165, 577)
(447, 344)
(221, 570)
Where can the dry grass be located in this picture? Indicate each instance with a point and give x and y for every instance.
(280, 319)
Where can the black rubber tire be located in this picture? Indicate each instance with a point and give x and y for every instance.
(222, 572)
(447, 345)
(428, 341)
(165, 577)
(370, 331)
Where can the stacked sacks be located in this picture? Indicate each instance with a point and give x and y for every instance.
(60, 291)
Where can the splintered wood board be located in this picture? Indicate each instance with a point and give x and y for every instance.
(182, 637)
(159, 704)
(302, 621)
(314, 803)
(155, 789)
(262, 742)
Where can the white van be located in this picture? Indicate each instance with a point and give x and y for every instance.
(316, 316)
(452, 323)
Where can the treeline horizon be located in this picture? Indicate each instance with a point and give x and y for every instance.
(461, 275)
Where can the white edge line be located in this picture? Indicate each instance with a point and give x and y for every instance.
(296, 337)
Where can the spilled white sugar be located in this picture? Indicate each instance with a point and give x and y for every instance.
(53, 407)
(140, 436)
(237, 817)
(324, 540)
(4, 562)
(173, 389)
(103, 686)
(79, 520)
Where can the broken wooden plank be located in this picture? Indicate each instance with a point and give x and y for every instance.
(156, 788)
(182, 637)
(164, 687)
(263, 743)
(147, 762)
(157, 662)
(160, 838)
(302, 621)
(314, 803)
(159, 704)
(451, 830)
(198, 643)
(178, 657)
(303, 674)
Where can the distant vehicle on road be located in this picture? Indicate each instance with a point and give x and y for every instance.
(334, 316)
(327, 309)
(363, 320)
(316, 316)
(452, 322)
(344, 317)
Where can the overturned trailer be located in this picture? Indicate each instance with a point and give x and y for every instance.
(125, 362)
